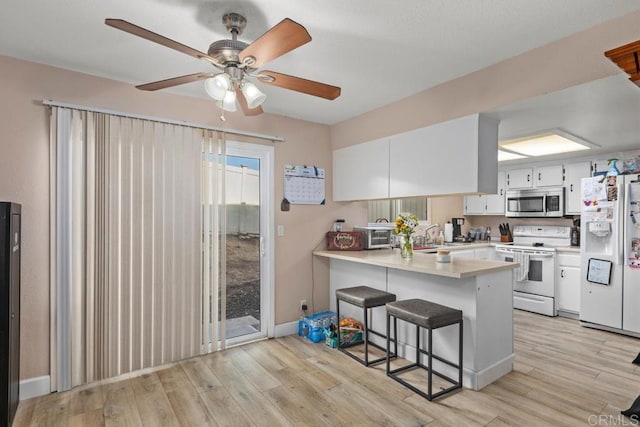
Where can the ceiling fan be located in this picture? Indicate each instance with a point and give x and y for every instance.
(238, 60)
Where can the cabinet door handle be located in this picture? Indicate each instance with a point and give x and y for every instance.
(539, 176)
(561, 273)
(528, 178)
(571, 188)
(501, 192)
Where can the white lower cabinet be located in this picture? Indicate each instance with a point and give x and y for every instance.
(485, 253)
(568, 284)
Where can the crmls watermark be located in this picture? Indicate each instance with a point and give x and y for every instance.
(612, 420)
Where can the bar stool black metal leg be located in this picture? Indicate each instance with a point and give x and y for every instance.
(430, 338)
(460, 359)
(389, 342)
(366, 338)
(395, 336)
(338, 317)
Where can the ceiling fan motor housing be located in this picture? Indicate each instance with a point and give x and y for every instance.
(226, 51)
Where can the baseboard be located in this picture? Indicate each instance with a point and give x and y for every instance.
(34, 387)
(493, 372)
(284, 329)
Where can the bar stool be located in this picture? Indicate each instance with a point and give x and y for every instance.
(367, 298)
(430, 316)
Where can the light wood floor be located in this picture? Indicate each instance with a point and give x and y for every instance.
(564, 375)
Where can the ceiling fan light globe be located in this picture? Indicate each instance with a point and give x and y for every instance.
(253, 95)
(217, 86)
(228, 103)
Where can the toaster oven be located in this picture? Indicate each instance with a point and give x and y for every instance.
(376, 237)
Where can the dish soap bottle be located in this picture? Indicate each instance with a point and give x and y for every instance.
(440, 238)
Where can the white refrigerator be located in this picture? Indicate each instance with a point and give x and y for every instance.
(610, 252)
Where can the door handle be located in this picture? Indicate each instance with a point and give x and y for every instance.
(539, 176)
(561, 273)
(501, 192)
(262, 251)
(528, 178)
(571, 188)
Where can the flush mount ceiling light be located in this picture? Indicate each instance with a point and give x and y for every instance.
(238, 61)
(507, 155)
(555, 141)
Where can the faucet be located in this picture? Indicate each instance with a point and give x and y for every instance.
(426, 236)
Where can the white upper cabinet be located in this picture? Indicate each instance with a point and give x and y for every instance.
(458, 156)
(361, 172)
(495, 202)
(548, 176)
(488, 204)
(520, 178)
(474, 204)
(574, 172)
(541, 176)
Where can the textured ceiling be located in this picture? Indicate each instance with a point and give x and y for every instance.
(378, 51)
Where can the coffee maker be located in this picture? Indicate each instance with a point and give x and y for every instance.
(457, 228)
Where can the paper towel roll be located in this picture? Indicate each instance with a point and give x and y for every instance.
(448, 232)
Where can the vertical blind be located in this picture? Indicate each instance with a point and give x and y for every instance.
(134, 243)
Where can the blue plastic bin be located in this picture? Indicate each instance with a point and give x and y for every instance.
(312, 326)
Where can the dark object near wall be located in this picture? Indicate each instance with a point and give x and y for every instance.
(10, 236)
(634, 411)
(637, 360)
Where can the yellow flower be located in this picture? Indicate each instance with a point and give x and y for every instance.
(406, 223)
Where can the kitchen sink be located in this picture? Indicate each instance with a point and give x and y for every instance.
(434, 247)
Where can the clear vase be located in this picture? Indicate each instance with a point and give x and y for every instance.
(406, 246)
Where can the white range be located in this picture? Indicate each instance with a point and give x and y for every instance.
(534, 281)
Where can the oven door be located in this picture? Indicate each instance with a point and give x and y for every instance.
(540, 279)
(536, 293)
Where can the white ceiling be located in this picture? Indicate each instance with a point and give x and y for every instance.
(605, 112)
(378, 51)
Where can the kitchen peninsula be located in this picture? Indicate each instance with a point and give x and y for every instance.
(482, 289)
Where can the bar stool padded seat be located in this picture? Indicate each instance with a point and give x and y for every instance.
(364, 296)
(425, 314)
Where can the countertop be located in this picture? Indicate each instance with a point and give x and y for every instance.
(456, 246)
(570, 249)
(460, 267)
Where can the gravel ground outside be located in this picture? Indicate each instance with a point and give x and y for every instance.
(243, 276)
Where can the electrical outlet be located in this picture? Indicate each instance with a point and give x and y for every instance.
(303, 304)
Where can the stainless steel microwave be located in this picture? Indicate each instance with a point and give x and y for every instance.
(535, 203)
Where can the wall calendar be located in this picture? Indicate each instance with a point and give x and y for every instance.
(303, 185)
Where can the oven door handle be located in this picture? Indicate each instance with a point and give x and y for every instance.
(531, 254)
(504, 251)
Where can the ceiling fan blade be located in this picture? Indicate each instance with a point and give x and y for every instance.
(245, 107)
(175, 81)
(280, 39)
(299, 84)
(157, 38)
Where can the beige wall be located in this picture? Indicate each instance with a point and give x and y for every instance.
(570, 61)
(24, 178)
